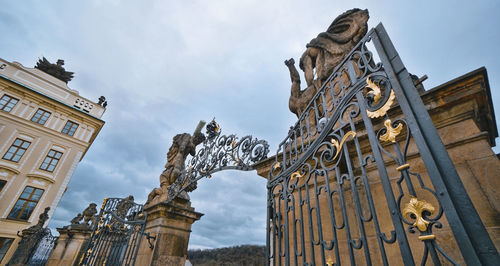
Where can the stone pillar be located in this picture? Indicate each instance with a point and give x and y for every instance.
(171, 224)
(72, 239)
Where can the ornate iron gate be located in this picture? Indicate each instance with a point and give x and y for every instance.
(338, 176)
(34, 249)
(44, 249)
(116, 234)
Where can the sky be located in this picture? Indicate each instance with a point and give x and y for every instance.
(164, 65)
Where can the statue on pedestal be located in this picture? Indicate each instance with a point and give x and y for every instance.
(89, 213)
(182, 146)
(77, 219)
(88, 216)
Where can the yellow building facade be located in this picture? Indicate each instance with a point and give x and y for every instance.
(45, 130)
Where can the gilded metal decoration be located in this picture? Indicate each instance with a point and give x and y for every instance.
(391, 132)
(218, 152)
(426, 237)
(119, 231)
(416, 209)
(295, 175)
(403, 167)
(277, 166)
(376, 92)
(338, 146)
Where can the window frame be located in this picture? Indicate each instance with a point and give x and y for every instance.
(3, 182)
(2, 243)
(52, 159)
(6, 105)
(41, 116)
(20, 147)
(69, 128)
(27, 200)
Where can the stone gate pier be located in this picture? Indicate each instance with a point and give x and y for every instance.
(170, 224)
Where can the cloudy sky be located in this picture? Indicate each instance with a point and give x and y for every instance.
(165, 65)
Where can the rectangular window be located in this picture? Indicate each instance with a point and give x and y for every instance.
(26, 203)
(40, 116)
(70, 128)
(7, 102)
(4, 246)
(51, 161)
(17, 150)
(2, 184)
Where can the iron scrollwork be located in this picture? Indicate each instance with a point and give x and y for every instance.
(417, 213)
(219, 152)
(120, 224)
(322, 174)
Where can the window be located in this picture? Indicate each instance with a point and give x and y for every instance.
(40, 116)
(17, 150)
(2, 184)
(70, 128)
(4, 246)
(25, 204)
(7, 102)
(51, 160)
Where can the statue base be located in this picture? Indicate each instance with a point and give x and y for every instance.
(70, 244)
(171, 224)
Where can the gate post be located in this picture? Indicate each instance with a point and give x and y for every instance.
(170, 223)
(72, 239)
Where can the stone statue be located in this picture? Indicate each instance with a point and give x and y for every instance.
(56, 70)
(182, 145)
(42, 218)
(77, 219)
(101, 99)
(123, 206)
(88, 213)
(299, 99)
(323, 54)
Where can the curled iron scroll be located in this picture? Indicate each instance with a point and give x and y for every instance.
(219, 152)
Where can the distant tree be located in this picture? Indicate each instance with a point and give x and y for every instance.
(249, 255)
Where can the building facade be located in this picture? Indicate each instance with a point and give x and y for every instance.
(45, 130)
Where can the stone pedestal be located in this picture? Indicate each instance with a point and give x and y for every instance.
(171, 224)
(72, 239)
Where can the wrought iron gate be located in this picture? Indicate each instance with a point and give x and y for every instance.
(349, 166)
(116, 234)
(34, 249)
(44, 249)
